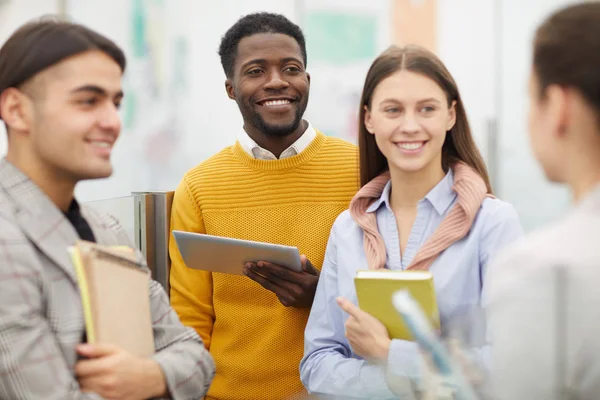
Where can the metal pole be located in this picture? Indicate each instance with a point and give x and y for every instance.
(152, 214)
(62, 8)
(495, 126)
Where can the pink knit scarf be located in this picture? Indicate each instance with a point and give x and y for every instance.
(471, 191)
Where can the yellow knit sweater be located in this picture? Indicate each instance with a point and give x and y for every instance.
(257, 343)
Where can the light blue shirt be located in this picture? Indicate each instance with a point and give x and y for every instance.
(329, 366)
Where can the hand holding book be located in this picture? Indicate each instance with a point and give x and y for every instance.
(367, 336)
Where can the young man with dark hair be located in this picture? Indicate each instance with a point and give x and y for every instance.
(60, 90)
(282, 182)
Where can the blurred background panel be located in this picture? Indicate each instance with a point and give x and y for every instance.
(176, 112)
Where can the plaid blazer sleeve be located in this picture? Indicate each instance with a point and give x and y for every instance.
(32, 365)
(188, 367)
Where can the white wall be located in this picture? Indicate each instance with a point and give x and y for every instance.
(521, 181)
(486, 45)
(13, 13)
(465, 40)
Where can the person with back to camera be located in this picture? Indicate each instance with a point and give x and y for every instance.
(543, 316)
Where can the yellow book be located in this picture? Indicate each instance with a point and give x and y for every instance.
(84, 292)
(374, 290)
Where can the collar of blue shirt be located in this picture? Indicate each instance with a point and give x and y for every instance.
(440, 197)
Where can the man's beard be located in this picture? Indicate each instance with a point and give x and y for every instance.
(279, 130)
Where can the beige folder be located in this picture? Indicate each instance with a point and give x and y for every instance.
(115, 297)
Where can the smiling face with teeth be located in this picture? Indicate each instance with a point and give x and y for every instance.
(409, 117)
(64, 122)
(270, 86)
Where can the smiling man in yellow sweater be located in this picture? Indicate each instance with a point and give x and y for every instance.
(281, 182)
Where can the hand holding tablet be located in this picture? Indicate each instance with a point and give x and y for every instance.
(278, 268)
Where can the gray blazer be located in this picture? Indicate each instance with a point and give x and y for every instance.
(544, 313)
(41, 319)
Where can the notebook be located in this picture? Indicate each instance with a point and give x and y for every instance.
(115, 297)
(375, 290)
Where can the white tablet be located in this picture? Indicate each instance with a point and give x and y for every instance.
(227, 255)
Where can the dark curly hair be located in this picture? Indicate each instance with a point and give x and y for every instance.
(252, 24)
